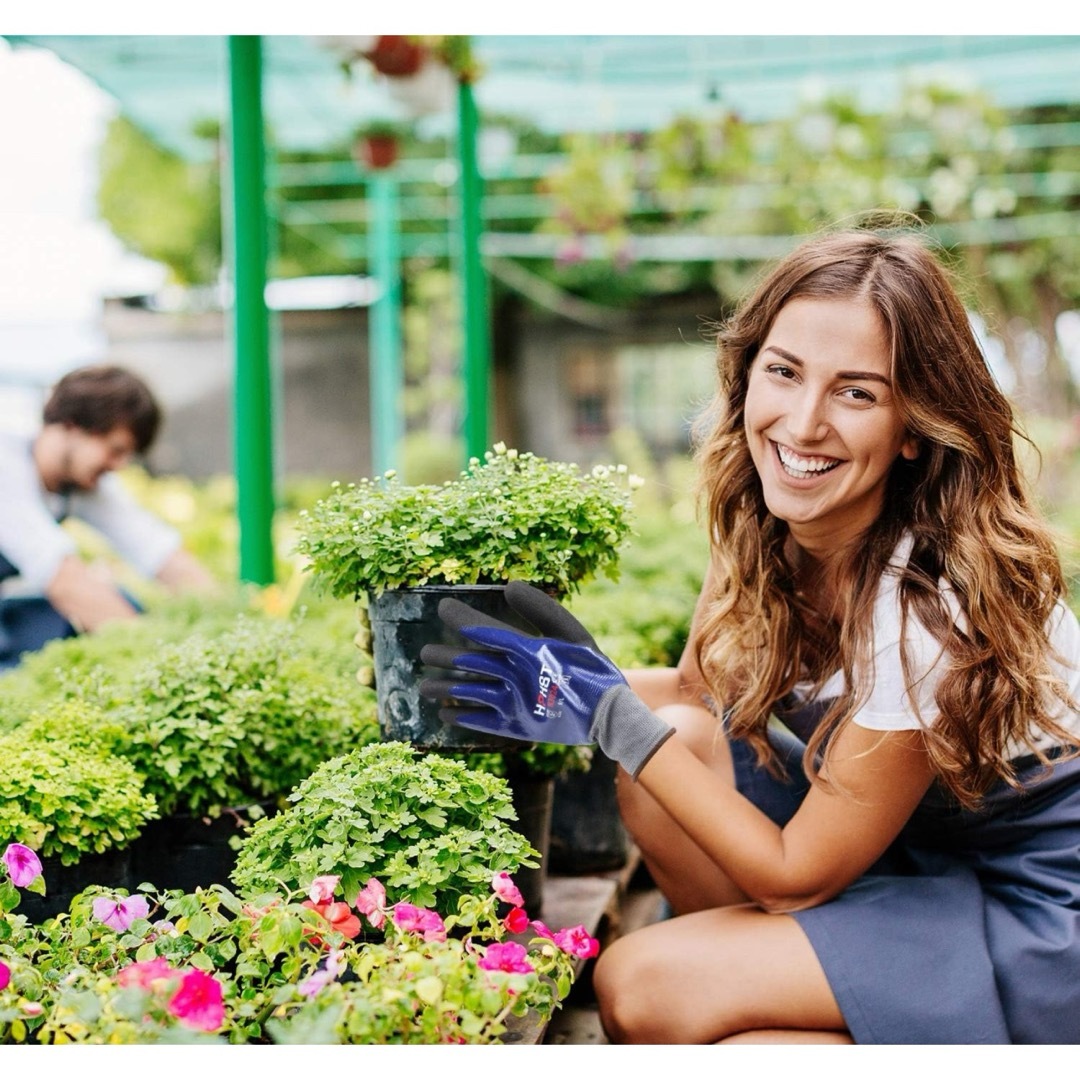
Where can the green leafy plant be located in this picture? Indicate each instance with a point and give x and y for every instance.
(63, 789)
(238, 717)
(427, 826)
(514, 515)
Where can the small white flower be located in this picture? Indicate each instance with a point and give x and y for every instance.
(500, 448)
(634, 481)
(390, 474)
(620, 469)
(512, 454)
(600, 471)
(473, 461)
(367, 515)
(335, 484)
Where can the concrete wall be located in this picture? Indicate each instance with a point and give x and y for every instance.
(321, 373)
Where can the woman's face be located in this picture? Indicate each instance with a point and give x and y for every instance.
(821, 420)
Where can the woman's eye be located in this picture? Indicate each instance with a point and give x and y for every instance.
(781, 370)
(856, 393)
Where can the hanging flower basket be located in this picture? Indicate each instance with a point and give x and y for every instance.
(396, 55)
(377, 151)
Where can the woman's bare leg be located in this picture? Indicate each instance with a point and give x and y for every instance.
(689, 879)
(713, 975)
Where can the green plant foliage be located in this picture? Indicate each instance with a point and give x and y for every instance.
(64, 791)
(428, 827)
(511, 516)
(237, 717)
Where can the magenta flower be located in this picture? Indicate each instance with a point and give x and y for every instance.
(576, 941)
(5, 975)
(120, 914)
(199, 1002)
(504, 888)
(542, 929)
(517, 921)
(145, 973)
(334, 966)
(420, 921)
(22, 864)
(506, 956)
(322, 888)
(371, 901)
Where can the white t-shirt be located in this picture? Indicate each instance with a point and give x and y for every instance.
(889, 706)
(33, 541)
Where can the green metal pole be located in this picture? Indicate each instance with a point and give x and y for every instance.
(473, 279)
(384, 332)
(253, 428)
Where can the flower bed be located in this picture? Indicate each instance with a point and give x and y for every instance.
(288, 968)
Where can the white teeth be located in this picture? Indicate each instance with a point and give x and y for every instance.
(801, 467)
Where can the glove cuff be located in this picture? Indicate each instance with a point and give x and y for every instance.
(626, 730)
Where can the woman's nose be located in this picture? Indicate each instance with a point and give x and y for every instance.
(807, 420)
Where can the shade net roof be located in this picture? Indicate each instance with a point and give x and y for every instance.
(560, 83)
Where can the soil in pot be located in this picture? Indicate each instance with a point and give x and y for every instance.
(63, 883)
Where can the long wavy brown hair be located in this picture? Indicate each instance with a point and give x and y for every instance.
(963, 499)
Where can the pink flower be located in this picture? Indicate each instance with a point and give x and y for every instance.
(542, 929)
(371, 902)
(5, 975)
(322, 888)
(576, 941)
(420, 921)
(120, 914)
(517, 922)
(506, 956)
(22, 864)
(505, 889)
(334, 966)
(145, 973)
(198, 1003)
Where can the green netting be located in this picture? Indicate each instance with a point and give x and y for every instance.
(166, 84)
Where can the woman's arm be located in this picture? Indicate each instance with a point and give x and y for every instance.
(839, 831)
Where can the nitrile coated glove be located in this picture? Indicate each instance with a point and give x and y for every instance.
(555, 688)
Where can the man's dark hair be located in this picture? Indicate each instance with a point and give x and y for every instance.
(100, 398)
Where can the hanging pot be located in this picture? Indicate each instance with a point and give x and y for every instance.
(402, 622)
(378, 151)
(395, 55)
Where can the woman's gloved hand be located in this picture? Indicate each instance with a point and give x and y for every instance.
(554, 688)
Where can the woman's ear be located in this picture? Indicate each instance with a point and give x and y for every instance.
(910, 448)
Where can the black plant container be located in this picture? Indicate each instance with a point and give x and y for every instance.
(111, 869)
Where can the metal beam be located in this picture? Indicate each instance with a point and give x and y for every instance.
(252, 411)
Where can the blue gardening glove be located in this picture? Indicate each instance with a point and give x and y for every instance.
(555, 688)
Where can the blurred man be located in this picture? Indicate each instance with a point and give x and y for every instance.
(96, 420)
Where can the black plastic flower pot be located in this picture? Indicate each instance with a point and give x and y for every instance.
(111, 869)
(180, 851)
(402, 622)
(587, 833)
(532, 795)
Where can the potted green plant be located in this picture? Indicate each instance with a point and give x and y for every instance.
(221, 727)
(66, 793)
(429, 827)
(398, 549)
